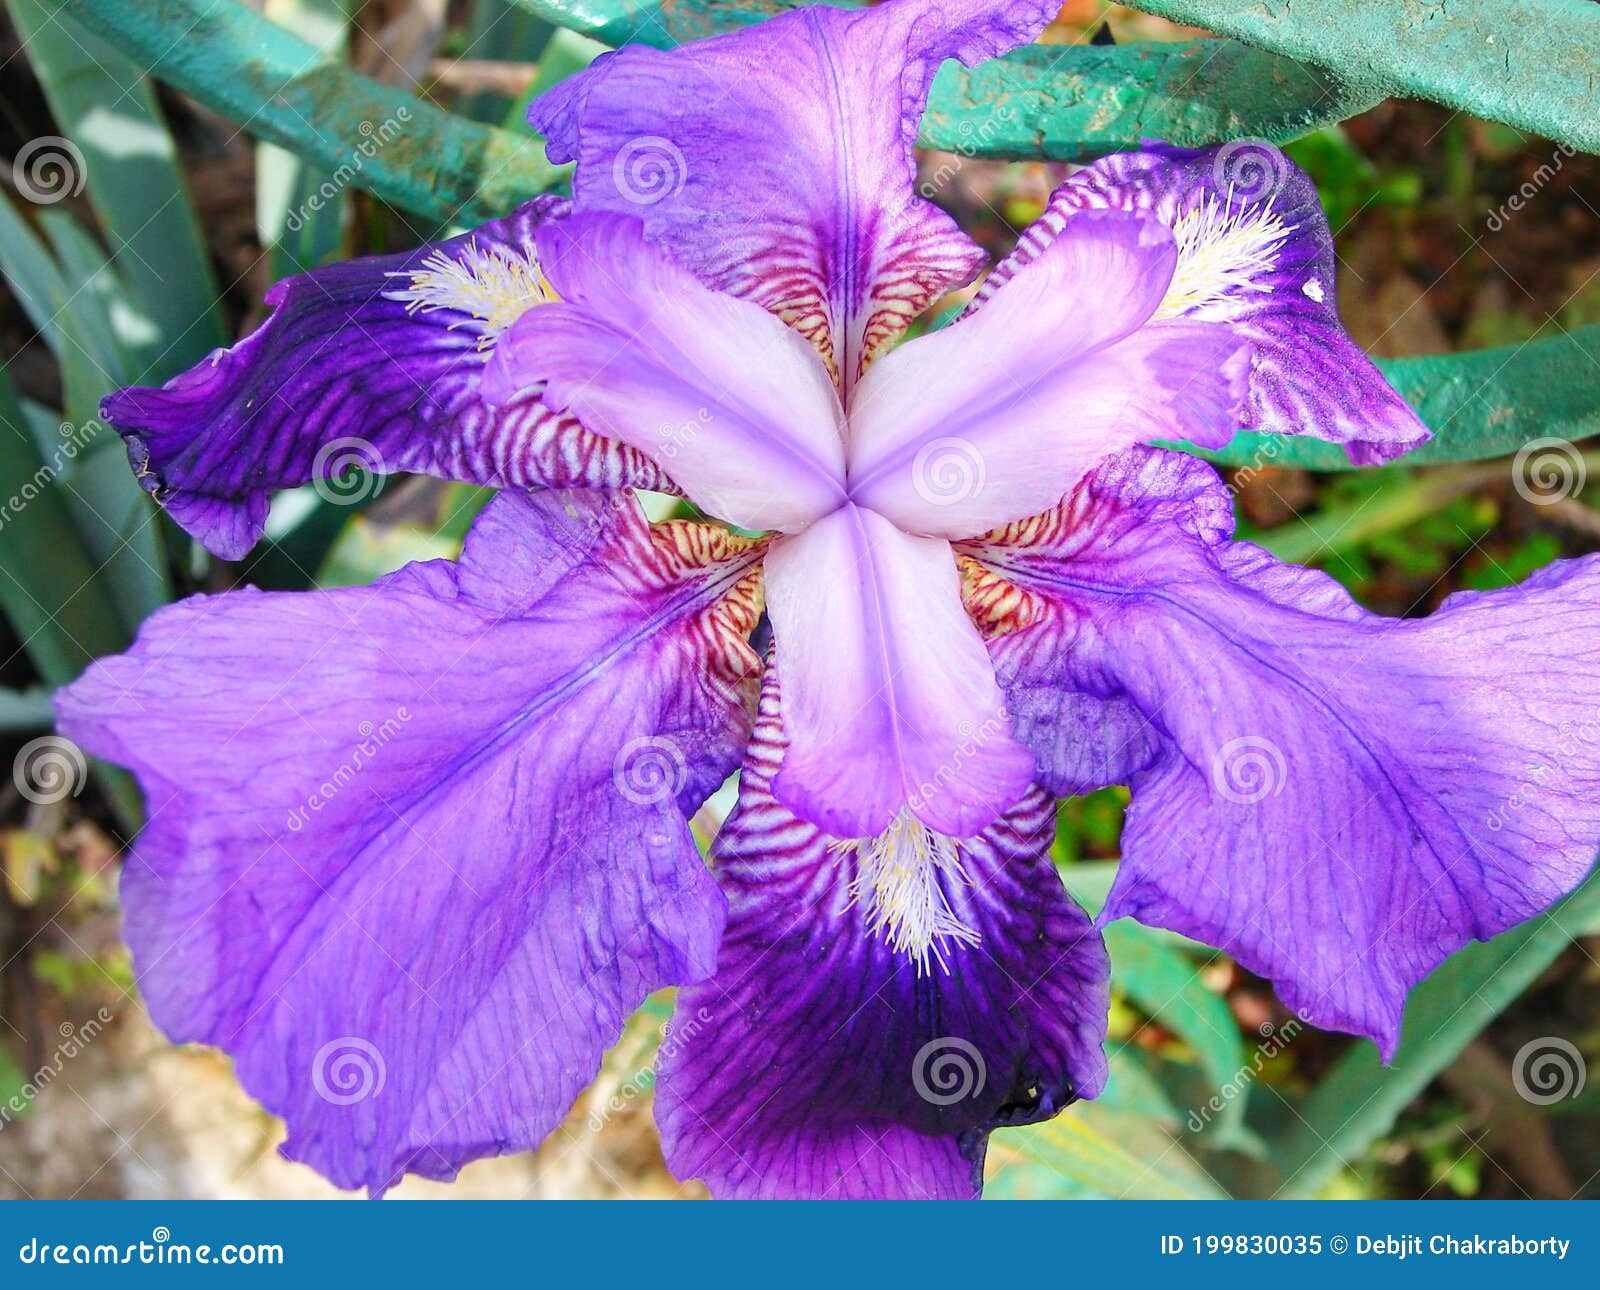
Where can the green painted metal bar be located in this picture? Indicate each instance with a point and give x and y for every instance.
(286, 91)
(1534, 64)
(1480, 404)
(1061, 102)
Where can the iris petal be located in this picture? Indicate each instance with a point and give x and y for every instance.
(890, 698)
(1338, 800)
(416, 850)
(819, 1062)
(724, 397)
(355, 366)
(998, 416)
(777, 162)
(1256, 254)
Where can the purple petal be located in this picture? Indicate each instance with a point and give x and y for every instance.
(997, 417)
(717, 391)
(776, 163)
(1340, 801)
(1254, 252)
(891, 699)
(344, 372)
(819, 1062)
(416, 850)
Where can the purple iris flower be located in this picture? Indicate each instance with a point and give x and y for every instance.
(416, 850)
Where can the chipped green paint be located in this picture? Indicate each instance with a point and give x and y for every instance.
(1481, 404)
(1534, 64)
(1062, 102)
(285, 91)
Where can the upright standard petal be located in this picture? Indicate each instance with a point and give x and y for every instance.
(1254, 251)
(375, 364)
(777, 162)
(1338, 800)
(997, 417)
(720, 394)
(820, 1062)
(890, 700)
(416, 850)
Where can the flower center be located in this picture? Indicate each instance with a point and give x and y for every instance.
(494, 284)
(1222, 249)
(901, 876)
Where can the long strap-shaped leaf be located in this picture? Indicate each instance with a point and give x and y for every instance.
(1359, 1098)
(1530, 63)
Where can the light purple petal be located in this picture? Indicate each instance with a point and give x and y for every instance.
(416, 850)
(776, 162)
(1256, 253)
(891, 701)
(997, 417)
(1338, 800)
(341, 375)
(819, 1063)
(721, 394)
